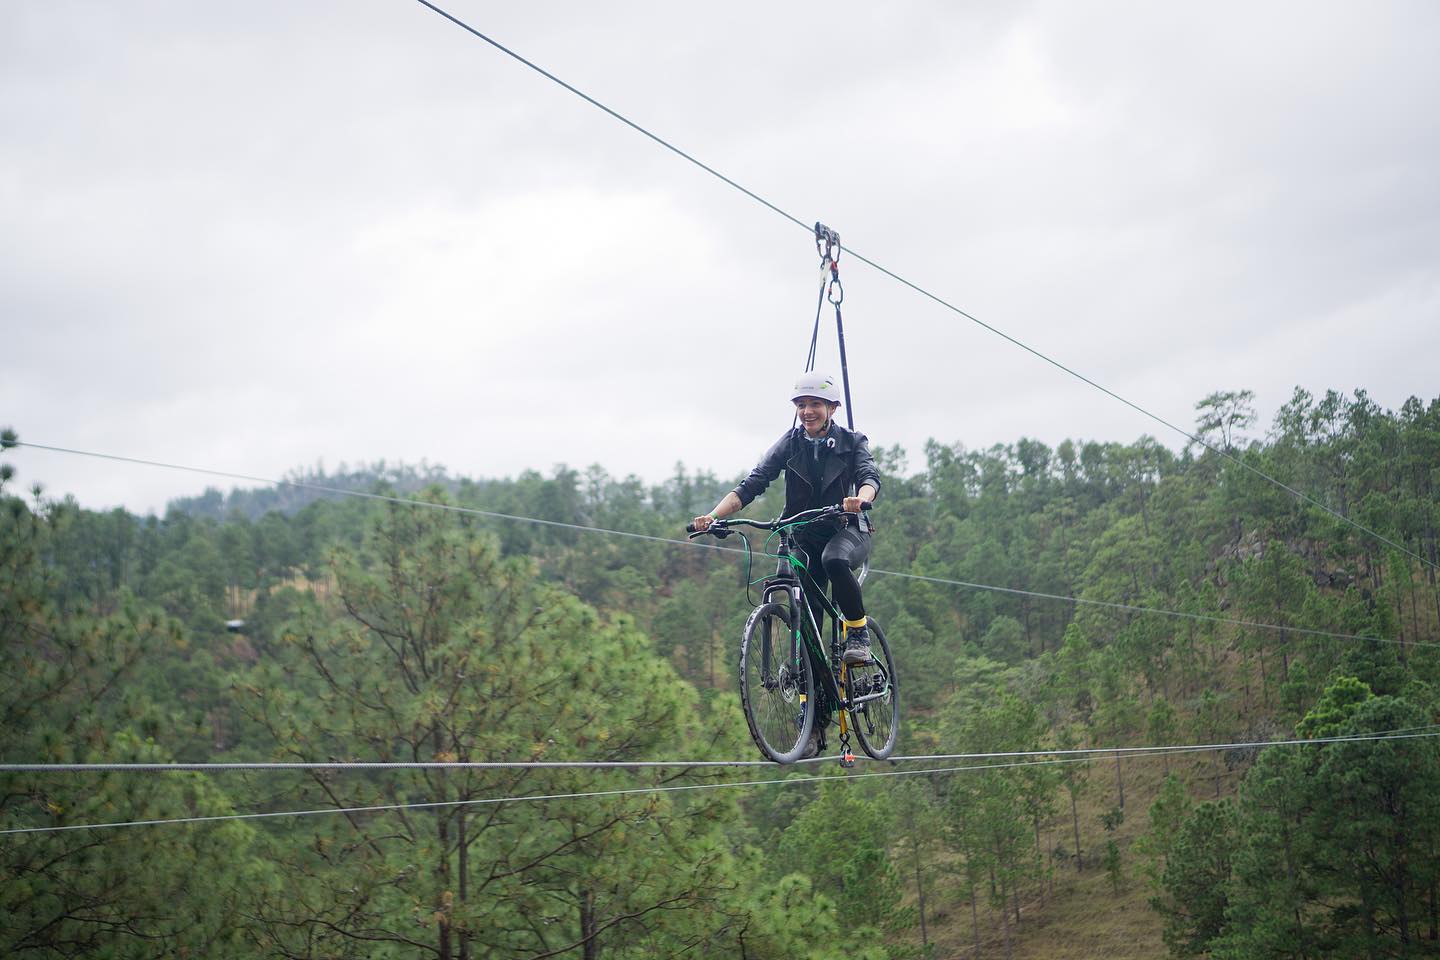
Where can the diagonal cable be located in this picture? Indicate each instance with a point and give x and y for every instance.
(1157, 611)
(490, 801)
(492, 515)
(1306, 498)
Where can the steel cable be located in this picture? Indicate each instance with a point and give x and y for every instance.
(1025, 759)
(372, 765)
(492, 515)
(926, 293)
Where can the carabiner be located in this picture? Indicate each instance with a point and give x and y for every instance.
(827, 244)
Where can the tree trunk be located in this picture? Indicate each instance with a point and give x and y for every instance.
(1290, 874)
(443, 903)
(1075, 821)
(1414, 610)
(1005, 923)
(1434, 911)
(974, 915)
(1400, 623)
(590, 949)
(1264, 680)
(463, 842)
(1402, 888)
(1119, 781)
(1284, 657)
(1039, 860)
(442, 896)
(919, 879)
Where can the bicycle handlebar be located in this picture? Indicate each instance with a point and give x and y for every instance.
(721, 528)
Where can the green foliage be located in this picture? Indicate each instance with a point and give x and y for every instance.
(1335, 708)
(1167, 814)
(789, 919)
(1334, 851)
(1196, 879)
(444, 650)
(841, 841)
(388, 632)
(77, 691)
(1114, 868)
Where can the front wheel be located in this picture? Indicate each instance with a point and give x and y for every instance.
(776, 688)
(876, 717)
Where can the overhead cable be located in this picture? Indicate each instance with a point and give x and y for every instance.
(381, 497)
(492, 515)
(1193, 438)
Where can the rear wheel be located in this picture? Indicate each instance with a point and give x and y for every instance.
(876, 719)
(776, 689)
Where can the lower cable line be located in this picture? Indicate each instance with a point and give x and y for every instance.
(371, 765)
(491, 801)
(1011, 759)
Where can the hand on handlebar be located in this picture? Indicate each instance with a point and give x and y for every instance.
(722, 528)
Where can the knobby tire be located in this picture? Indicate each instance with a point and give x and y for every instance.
(876, 722)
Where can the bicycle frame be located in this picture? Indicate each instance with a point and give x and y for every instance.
(805, 631)
(832, 667)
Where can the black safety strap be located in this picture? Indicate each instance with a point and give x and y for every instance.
(827, 244)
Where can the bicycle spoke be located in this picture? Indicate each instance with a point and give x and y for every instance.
(775, 685)
(875, 696)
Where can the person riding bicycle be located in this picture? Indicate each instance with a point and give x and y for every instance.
(824, 464)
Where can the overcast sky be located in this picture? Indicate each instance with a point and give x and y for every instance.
(257, 236)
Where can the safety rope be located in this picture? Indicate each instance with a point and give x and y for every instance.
(827, 244)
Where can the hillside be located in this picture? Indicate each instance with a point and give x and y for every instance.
(1019, 586)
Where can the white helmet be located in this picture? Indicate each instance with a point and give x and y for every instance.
(816, 384)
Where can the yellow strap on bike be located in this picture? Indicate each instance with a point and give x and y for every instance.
(855, 624)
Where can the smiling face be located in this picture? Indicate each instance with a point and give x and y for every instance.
(814, 414)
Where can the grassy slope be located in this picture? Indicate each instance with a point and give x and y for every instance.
(1084, 917)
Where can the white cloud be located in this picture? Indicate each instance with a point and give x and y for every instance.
(252, 237)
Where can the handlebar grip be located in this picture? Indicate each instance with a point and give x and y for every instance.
(865, 505)
(690, 528)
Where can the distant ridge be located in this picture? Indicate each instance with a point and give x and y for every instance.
(291, 497)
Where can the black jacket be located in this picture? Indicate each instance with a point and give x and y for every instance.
(848, 467)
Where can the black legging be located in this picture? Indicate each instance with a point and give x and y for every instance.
(840, 551)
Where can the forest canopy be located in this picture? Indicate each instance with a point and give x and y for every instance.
(1017, 585)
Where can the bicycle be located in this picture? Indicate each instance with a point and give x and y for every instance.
(787, 679)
